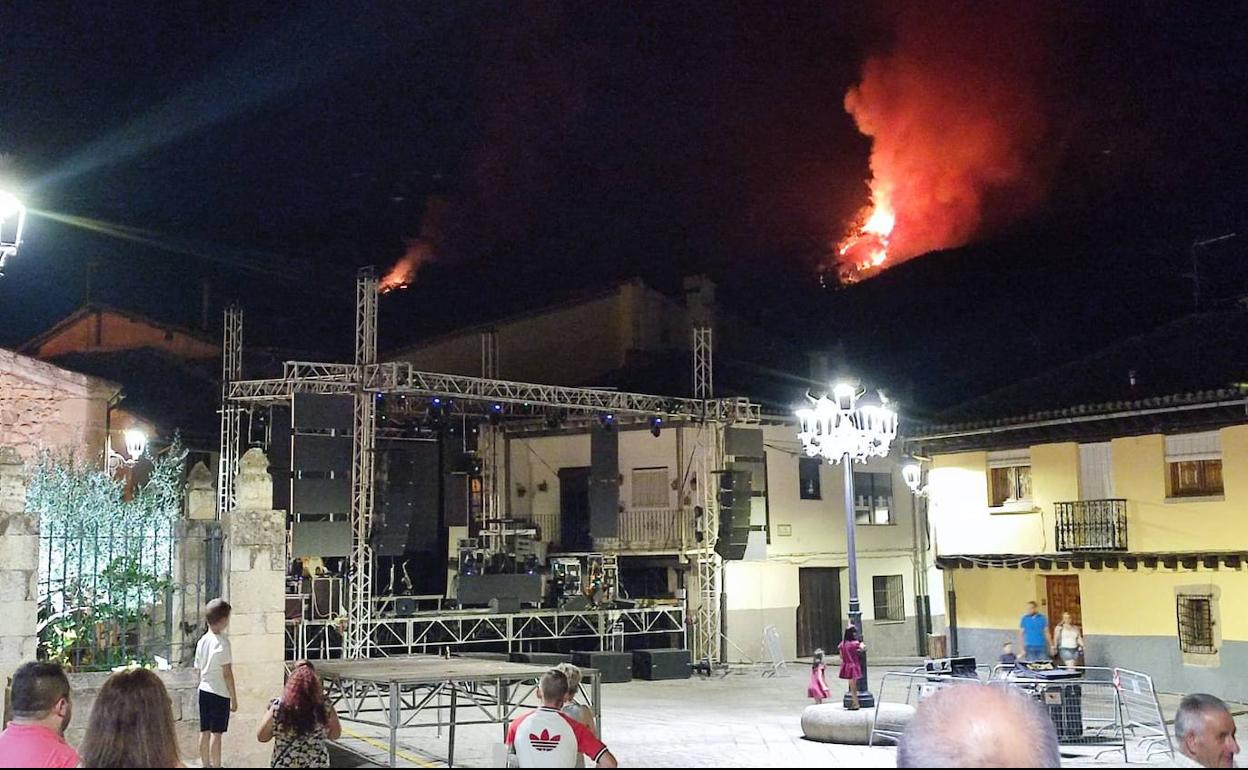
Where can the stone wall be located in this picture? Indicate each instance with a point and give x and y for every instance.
(46, 407)
(183, 687)
(19, 568)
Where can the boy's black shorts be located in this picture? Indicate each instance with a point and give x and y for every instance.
(214, 713)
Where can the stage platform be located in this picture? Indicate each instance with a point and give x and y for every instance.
(428, 691)
(428, 633)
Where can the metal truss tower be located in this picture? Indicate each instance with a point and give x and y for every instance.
(363, 444)
(231, 411)
(708, 567)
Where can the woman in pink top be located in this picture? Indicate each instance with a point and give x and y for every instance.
(818, 687)
(851, 664)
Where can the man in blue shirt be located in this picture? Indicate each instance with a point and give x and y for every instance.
(1033, 632)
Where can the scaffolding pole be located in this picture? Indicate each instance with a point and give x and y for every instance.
(363, 443)
(708, 618)
(231, 410)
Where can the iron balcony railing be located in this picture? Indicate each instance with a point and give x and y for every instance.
(1092, 525)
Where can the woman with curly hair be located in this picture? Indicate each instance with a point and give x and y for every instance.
(131, 724)
(301, 723)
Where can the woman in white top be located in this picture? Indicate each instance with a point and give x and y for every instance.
(1069, 640)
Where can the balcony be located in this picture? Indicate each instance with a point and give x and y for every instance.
(644, 529)
(1092, 525)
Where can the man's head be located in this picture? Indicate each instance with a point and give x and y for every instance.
(975, 725)
(1007, 648)
(1031, 608)
(41, 696)
(554, 687)
(1205, 731)
(217, 614)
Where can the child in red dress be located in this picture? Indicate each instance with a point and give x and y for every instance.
(818, 687)
(851, 663)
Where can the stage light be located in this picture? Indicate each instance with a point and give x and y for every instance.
(607, 420)
(496, 414)
(656, 426)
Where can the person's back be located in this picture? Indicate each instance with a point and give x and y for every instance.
(547, 737)
(41, 712)
(131, 724)
(301, 723)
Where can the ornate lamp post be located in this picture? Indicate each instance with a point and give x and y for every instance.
(845, 429)
(12, 218)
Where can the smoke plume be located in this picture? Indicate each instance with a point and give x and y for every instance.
(957, 126)
(418, 251)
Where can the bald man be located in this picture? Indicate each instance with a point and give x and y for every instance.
(975, 725)
(1204, 732)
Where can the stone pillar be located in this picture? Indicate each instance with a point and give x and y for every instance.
(19, 570)
(255, 538)
(201, 493)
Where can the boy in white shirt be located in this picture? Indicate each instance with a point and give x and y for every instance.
(217, 697)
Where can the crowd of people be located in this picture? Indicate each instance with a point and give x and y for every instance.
(132, 722)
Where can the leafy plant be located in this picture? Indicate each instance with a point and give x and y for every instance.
(105, 558)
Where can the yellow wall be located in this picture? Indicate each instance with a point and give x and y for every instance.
(964, 524)
(1117, 602)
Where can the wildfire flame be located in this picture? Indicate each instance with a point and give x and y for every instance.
(403, 274)
(956, 129)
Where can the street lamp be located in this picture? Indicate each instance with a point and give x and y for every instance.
(136, 444)
(12, 218)
(912, 474)
(848, 428)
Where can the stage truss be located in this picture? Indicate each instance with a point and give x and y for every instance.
(529, 631)
(370, 383)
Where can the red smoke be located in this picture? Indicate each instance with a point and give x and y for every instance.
(956, 125)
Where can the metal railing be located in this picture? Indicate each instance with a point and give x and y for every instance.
(106, 593)
(465, 631)
(1100, 710)
(1091, 525)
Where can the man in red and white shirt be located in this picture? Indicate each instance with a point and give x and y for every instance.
(547, 737)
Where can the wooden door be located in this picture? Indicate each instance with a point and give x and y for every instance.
(818, 610)
(1063, 593)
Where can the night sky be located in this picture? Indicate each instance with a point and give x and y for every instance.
(270, 151)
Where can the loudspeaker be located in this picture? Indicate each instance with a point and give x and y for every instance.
(326, 598)
(613, 666)
(735, 492)
(654, 665)
(405, 607)
(294, 607)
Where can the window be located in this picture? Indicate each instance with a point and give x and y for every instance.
(1194, 462)
(889, 601)
(1196, 624)
(873, 498)
(808, 477)
(650, 488)
(1009, 477)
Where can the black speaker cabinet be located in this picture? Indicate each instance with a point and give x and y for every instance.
(614, 666)
(327, 600)
(654, 665)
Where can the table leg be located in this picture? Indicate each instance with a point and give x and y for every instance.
(394, 723)
(450, 753)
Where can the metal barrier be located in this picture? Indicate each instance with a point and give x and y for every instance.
(1113, 709)
(775, 652)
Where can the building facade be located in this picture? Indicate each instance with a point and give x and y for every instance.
(1129, 516)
